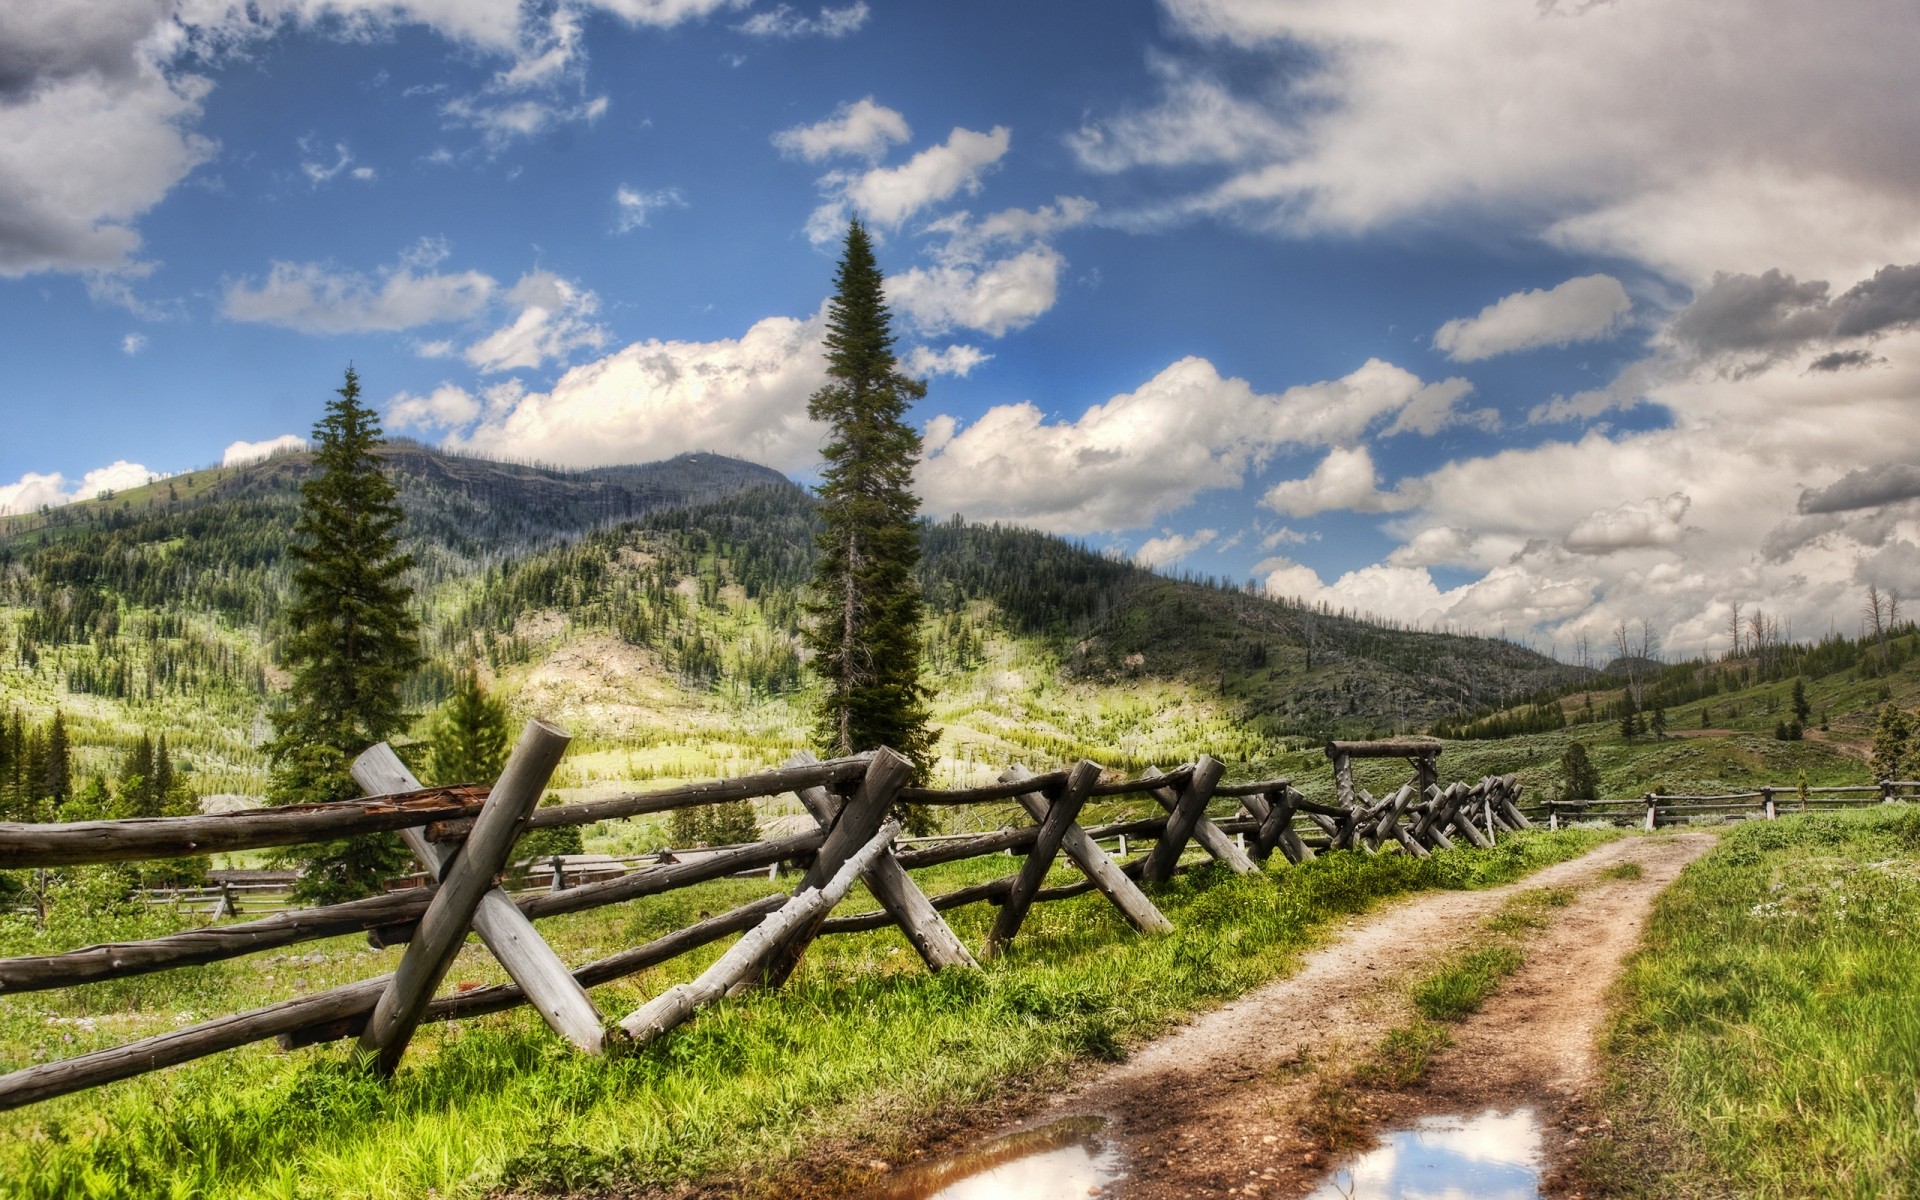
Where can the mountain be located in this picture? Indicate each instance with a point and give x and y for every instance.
(654, 608)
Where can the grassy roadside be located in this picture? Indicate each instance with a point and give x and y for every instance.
(862, 1046)
(1768, 1042)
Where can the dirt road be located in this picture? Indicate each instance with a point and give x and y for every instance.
(1241, 1099)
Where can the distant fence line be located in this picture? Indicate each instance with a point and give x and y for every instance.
(464, 836)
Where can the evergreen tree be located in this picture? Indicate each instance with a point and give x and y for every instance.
(470, 739)
(56, 773)
(351, 644)
(1659, 722)
(1802, 710)
(865, 603)
(1890, 743)
(1580, 779)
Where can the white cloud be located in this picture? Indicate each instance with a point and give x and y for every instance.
(1689, 138)
(1654, 521)
(133, 343)
(315, 298)
(784, 22)
(1171, 547)
(889, 195)
(957, 360)
(34, 490)
(554, 320)
(319, 172)
(636, 206)
(241, 453)
(1005, 295)
(1344, 479)
(863, 129)
(446, 407)
(745, 396)
(1579, 310)
(501, 122)
(437, 348)
(1124, 463)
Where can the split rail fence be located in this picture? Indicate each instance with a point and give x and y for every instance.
(464, 835)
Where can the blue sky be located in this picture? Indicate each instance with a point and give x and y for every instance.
(1534, 317)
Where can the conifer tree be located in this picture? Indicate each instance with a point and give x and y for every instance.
(469, 743)
(1890, 737)
(1580, 780)
(865, 603)
(56, 778)
(351, 643)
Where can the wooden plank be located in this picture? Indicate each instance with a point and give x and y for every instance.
(1140, 912)
(796, 920)
(76, 842)
(501, 997)
(633, 804)
(1396, 748)
(890, 884)
(1183, 817)
(886, 774)
(1059, 817)
(505, 930)
(468, 880)
(1262, 787)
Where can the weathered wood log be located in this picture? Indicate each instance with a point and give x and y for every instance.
(501, 997)
(896, 892)
(1184, 815)
(983, 794)
(468, 879)
(1140, 912)
(886, 774)
(797, 919)
(77, 842)
(118, 960)
(1397, 748)
(1342, 780)
(1263, 787)
(633, 804)
(506, 931)
(1059, 817)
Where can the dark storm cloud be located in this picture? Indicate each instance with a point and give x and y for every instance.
(1889, 300)
(1765, 317)
(1866, 487)
(1844, 360)
(59, 40)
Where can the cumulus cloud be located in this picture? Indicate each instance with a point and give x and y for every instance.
(1678, 165)
(653, 399)
(34, 490)
(1654, 521)
(957, 360)
(554, 320)
(446, 407)
(1001, 296)
(784, 22)
(240, 453)
(1171, 547)
(317, 298)
(1579, 310)
(635, 206)
(133, 343)
(1345, 479)
(862, 129)
(1123, 463)
(1864, 487)
(889, 195)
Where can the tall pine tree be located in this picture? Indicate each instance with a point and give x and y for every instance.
(351, 644)
(865, 602)
(469, 743)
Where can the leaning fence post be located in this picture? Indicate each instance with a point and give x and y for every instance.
(1186, 818)
(507, 932)
(467, 879)
(860, 818)
(1106, 875)
(1651, 801)
(928, 932)
(1060, 816)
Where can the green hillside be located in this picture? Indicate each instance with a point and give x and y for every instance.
(654, 611)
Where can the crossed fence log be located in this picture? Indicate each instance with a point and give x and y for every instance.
(463, 836)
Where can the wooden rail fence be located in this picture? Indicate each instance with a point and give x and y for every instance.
(463, 835)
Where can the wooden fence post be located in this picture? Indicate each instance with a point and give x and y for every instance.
(890, 884)
(468, 878)
(856, 825)
(1140, 912)
(507, 932)
(1766, 801)
(1186, 819)
(1652, 800)
(1060, 816)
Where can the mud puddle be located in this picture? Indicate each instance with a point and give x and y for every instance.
(1492, 1156)
(1062, 1160)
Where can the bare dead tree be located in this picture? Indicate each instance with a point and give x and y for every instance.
(1733, 631)
(1874, 614)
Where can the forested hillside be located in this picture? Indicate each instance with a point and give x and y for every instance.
(655, 608)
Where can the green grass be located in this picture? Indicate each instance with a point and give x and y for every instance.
(1625, 870)
(1463, 985)
(863, 1044)
(1769, 1039)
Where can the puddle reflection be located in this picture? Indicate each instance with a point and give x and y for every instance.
(1494, 1156)
(1062, 1160)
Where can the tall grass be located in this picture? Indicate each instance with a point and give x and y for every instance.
(862, 1044)
(1769, 1044)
